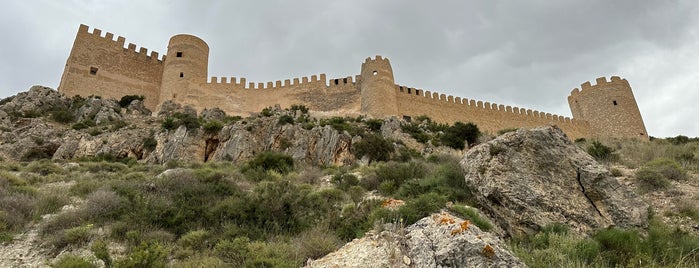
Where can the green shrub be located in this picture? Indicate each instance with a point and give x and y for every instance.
(651, 180)
(233, 252)
(345, 180)
(44, 167)
(285, 119)
(126, 100)
(374, 124)
(73, 261)
(196, 240)
(376, 147)
(668, 168)
(278, 162)
(616, 172)
(145, 255)
(267, 112)
(212, 127)
(63, 116)
(299, 107)
(397, 173)
(316, 242)
(618, 246)
(169, 124)
(101, 251)
(49, 203)
(456, 135)
(601, 152)
(83, 124)
(198, 261)
(150, 143)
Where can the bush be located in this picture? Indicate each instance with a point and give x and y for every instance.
(618, 246)
(298, 107)
(668, 168)
(212, 127)
(316, 242)
(393, 175)
(126, 100)
(73, 261)
(267, 112)
(651, 180)
(101, 251)
(63, 116)
(234, 252)
(278, 162)
(83, 124)
(601, 152)
(145, 255)
(376, 147)
(456, 135)
(285, 119)
(150, 143)
(196, 240)
(374, 124)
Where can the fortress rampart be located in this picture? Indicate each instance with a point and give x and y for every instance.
(100, 65)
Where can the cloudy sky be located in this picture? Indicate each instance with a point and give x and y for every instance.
(523, 53)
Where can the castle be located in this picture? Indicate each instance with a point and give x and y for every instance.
(100, 65)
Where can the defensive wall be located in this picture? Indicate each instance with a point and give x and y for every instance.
(100, 65)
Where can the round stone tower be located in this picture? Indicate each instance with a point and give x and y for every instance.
(609, 107)
(185, 67)
(378, 93)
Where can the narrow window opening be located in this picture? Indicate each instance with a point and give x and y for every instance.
(614, 102)
(401, 89)
(179, 54)
(93, 70)
(417, 92)
(181, 74)
(410, 91)
(344, 80)
(375, 73)
(337, 81)
(642, 134)
(174, 96)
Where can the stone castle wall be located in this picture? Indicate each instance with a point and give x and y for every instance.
(99, 65)
(102, 66)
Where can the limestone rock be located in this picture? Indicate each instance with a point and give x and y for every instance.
(170, 107)
(440, 240)
(137, 107)
(99, 110)
(37, 100)
(529, 178)
(213, 114)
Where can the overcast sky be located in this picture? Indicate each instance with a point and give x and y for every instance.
(529, 54)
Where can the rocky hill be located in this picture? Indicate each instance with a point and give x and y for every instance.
(104, 182)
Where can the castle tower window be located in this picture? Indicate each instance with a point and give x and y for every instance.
(344, 80)
(179, 54)
(614, 102)
(93, 70)
(181, 74)
(375, 73)
(337, 81)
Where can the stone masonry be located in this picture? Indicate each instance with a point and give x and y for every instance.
(100, 65)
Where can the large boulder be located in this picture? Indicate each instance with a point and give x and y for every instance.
(37, 101)
(529, 178)
(440, 240)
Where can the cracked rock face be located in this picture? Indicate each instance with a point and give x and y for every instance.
(440, 240)
(527, 179)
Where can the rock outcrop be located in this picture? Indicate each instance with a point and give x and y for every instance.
(527, 179)
(28, 133)
(440, 240)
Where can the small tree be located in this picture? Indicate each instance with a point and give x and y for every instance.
(126, 100)
(375, 147)
(456, 135)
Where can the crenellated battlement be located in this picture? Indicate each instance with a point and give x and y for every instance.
(601, 83)
(111, 67)
(437, 99)
(120, 42)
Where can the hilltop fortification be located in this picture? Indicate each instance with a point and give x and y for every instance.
(100, 65)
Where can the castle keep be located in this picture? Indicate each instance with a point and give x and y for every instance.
(100, 65)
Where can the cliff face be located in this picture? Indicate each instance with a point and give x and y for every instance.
(42, 123)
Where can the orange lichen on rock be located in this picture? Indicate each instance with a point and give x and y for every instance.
(488, 252)
(443, 219)
(463, 226)
(392, 203)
